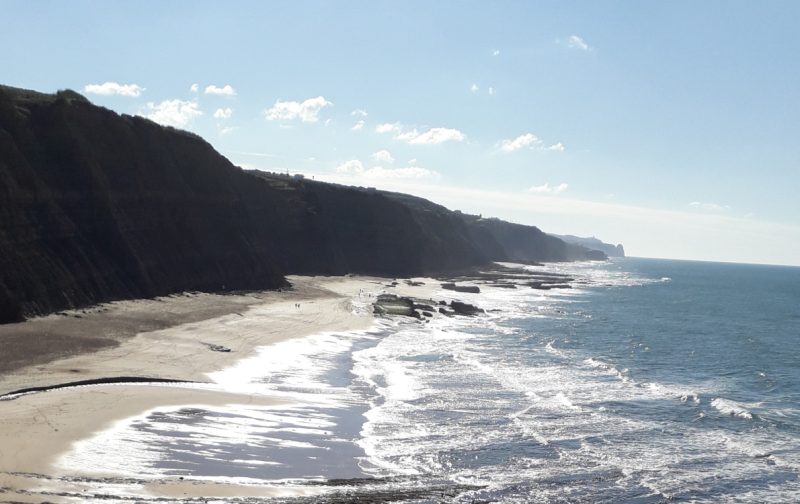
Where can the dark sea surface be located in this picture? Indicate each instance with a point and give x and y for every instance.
(648, 381)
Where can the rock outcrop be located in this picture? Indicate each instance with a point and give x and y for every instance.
(461, 288)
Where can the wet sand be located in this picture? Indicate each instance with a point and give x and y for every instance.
(167, 338)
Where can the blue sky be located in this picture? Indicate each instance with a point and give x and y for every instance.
(671, 127)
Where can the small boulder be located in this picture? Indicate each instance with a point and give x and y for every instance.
(465, 308)
(217, 348)
(474, 289)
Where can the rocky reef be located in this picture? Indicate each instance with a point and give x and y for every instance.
(390, 304)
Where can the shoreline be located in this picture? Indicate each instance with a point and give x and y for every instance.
(185, 340)
(37, 428)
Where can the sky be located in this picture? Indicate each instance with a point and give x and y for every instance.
(670, 127)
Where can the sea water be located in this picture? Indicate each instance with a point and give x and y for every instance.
(648, 380)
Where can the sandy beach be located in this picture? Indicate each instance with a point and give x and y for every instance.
(167, 338)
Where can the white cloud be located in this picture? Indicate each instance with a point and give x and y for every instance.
(194, 88)
(226, 90)
(177, 113)
(525, 140)
(528, 140)
(383, 156)
(474, 88)
(387, 127)
(358, 126)
(547, 188)
(226, 129)
(575, 42)
(496, 52)
(432, 136)
(225, 113)
(709, 206)
(359, 113)
(408, 135)
(354, 166)
(114, 88)
(307, 110)
(491, 91)
(410, 172)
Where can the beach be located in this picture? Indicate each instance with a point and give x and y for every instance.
(343, 389)
(183, 337)
(74, 378)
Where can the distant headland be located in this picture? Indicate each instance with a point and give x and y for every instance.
(593, 243)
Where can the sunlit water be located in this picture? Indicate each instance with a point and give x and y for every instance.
(649, 380)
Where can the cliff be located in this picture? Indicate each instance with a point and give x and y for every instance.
(340, 229)
(593, 243)
(506, 241)
(96, 206)
(521, 243)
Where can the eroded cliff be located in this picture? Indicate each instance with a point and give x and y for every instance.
(96, 206)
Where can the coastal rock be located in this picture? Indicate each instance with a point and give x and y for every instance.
(465, 308)
(461, 288)
(391, 304)
(548, 286)
(217, 348)
(504, 285)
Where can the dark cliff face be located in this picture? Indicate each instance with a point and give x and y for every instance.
(95, 206)
(594, 244)
(332, 229)
(520, 243)
(367, 231)
(499, 240)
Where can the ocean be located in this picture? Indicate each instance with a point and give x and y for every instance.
(647, 381)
